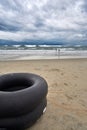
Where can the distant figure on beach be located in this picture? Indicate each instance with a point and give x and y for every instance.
(58, 52)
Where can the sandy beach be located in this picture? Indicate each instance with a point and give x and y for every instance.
(67, 95)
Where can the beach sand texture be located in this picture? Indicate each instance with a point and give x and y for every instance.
(67, 91)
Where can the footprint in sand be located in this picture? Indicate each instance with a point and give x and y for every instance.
(68, 97)
(65, 84)
(62, 73)
(58, 70)
(37, 69)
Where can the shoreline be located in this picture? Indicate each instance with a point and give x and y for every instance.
(50, 57)
(41, 58)
(36, 60)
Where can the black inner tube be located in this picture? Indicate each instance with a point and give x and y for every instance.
(15, 85)
(22, 99)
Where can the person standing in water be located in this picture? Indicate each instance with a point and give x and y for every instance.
(58, 52)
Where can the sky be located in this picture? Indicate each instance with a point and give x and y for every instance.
(62, 20)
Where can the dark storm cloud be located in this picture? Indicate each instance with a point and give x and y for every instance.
(30, 19)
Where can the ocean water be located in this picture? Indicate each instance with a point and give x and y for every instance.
(23, 52)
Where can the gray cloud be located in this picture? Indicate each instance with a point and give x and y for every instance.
(84, 6)
(43, 19)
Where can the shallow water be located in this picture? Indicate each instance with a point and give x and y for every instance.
(18, 52)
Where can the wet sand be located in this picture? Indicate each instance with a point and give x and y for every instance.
(67, 95)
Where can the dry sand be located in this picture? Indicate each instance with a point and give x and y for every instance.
(67, 97)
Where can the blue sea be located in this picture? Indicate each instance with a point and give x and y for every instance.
(26, 52)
